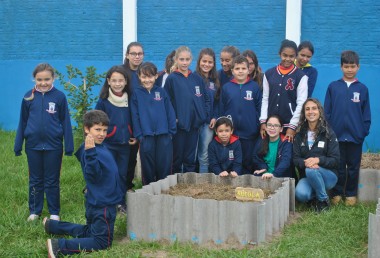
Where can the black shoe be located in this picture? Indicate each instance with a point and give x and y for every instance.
(312, 203)
(52, 247)
(322, 206)
(122, 208)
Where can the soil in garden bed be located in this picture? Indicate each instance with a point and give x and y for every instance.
(217, 192)
(370, 160)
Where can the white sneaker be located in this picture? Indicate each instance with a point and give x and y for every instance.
(54, 217)
(33, 217)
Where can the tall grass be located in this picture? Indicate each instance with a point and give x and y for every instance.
(342, 232)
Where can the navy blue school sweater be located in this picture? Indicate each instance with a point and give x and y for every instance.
(223, 77)
(119, 129)
(152, 112)
(44, 122)
(225, 158)
(189, 99)
(284, 95)
(312, 75)
(134, 78)
(283, 157)
(348, 111)
(211, 88)
(101, 175)
(242, 102)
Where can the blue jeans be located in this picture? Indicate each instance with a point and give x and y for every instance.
(315, 184)
(205, 137)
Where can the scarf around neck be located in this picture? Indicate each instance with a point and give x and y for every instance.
(116, 100)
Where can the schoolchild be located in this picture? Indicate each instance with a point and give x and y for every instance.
(224, 151)
(348, 111)
(272, 156)
(255, 72)
(207, 70)
(102, 195)
(191, 104)
(316, 156)
(114, 101)
(227, 54)
(134, 56)
(241, 99)
(305, 53)
(44, 124)
(284, 91)
(169, 61)
(154, 125)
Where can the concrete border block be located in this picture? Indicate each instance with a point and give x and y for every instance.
(153, 216)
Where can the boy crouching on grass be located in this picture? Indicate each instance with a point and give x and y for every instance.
(102, 196)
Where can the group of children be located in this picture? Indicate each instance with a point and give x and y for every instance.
(230, 122)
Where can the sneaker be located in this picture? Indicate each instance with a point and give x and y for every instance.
(122, 208)
(336, 199)
(33, 217)
(311, 203)
(322, 206)
(350, 201)
(55, 217)
(46, 222)
(52, 247)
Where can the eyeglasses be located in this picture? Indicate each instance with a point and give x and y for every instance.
(134, 54)
(273, 125)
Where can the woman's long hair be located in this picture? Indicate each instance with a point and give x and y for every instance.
(213, 74)
(322, 124)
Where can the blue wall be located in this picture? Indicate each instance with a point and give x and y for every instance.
(81, 33)
(164, 25)
(87, 32)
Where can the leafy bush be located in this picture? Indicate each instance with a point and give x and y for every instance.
(80, 96)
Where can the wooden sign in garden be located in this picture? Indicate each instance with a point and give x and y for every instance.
(249, 194)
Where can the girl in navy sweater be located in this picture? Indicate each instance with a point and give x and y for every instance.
(207, 70)
(154, 125)
(227, 54)
(191, 104)
(224, 151)
(305, 53)
(114, 101)
(284, 91)
(254, 69)
(273, 154)
(44, 123)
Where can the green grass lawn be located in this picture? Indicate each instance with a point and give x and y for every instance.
(341, 232)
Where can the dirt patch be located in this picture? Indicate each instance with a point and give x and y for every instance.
(217, 192)
(370, 160)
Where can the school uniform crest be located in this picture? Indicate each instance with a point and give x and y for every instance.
(248, 95)
(51, 109)
(231, 155)
(356, 97)
(290, 84)
(198, 91)
(157, 96)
